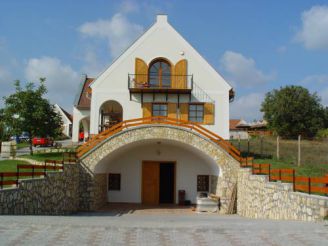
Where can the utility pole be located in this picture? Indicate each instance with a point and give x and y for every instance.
(299, 151)
(278, 150)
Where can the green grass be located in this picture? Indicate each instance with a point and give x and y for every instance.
(314, 154)
(44, 156)
(10, 165)
(304, 170)
(22, 145)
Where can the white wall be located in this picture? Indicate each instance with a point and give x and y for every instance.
(128, 162)
(161, 40)
(239, 134)
(65, 121)
(79, 115)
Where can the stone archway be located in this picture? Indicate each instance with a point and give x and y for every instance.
(229, 167)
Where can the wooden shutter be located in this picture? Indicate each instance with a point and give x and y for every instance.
(172, 110)
(141, 71)
(209, 113)
(184, 109)
(179, 75)
(146, 110)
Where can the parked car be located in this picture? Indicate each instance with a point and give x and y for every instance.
(24, 137)
(43, 142)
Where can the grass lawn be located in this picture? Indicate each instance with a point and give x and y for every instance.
(10, 165)
(303, 170)
(44, 156)
(314, 154)
(22, 145)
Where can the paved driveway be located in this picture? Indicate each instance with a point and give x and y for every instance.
(104, 228)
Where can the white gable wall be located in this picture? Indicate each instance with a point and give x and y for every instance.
(161, 40)
(65, 121)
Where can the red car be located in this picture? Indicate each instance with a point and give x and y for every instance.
(43, 142)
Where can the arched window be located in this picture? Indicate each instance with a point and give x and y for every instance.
(160, 73)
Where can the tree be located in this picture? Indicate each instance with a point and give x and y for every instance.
(293, 110)
(28, 111)
(2, 127)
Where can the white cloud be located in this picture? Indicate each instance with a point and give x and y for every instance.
(314, 30)
(242, 71)
(62, 81)
(247, 107)
(129, 7)
(316, 79)
(324, 96)
(281, 49)
(4, 74)
(93, 65)
(118, 31)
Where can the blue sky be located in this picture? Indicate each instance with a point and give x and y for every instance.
(256, 45)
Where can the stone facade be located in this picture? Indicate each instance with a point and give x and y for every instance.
(228, 166)
(56, 194)
(259, 198)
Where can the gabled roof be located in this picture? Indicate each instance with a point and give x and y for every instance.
(233, 124)
(82, 100)
(160, 22)
(64, 113)
(236, 124)
(68, 115)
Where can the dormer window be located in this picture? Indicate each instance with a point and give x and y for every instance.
(160, 74)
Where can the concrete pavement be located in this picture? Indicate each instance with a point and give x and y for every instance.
(106, 228)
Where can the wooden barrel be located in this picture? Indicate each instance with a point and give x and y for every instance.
(8, 149)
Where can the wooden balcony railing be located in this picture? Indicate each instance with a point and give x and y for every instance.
(164, 83)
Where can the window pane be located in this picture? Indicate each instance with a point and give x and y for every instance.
(203, 183)
(114, 181)
(163, 107)
(163, 113)
(199, 107)
(192, 107)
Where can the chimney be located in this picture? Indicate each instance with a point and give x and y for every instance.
(161, 18)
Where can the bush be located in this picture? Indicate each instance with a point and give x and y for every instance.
(322, 134)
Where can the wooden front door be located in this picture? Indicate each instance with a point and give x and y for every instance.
(150, 183)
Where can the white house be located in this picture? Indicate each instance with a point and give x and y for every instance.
(160, 74)
(66, 119)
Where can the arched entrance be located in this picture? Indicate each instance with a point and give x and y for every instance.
(84, 129)
(207, 152)
(111, 113)
(153, 171)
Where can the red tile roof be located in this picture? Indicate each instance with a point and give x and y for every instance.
(85, 101)
(68, 115)
(233, 124)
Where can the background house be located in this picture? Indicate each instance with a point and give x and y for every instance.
(239, 129)
(67, 120)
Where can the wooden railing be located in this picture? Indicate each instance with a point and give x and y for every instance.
(318, 185)
(95, 140)
(26, 171)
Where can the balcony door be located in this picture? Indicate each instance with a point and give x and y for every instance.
(160, 74)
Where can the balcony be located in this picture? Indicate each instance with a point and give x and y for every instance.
(168, 84)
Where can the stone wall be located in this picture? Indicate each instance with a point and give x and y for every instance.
(56, 194)
(259, 198)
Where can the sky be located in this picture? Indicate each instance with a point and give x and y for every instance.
(255, 45)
